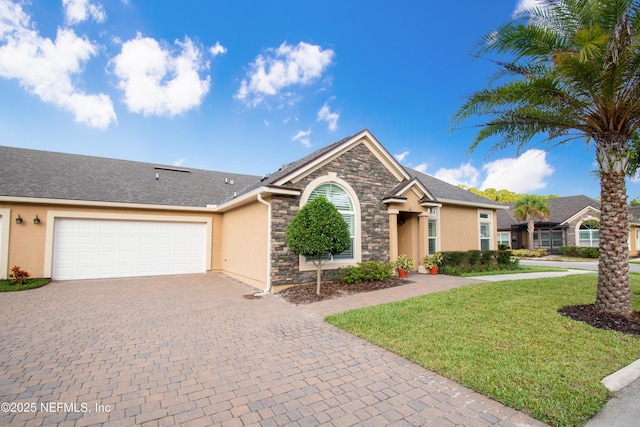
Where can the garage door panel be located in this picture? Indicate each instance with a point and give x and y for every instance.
(92, 248)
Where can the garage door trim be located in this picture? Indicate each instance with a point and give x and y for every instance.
(5, 221)
(53, 215)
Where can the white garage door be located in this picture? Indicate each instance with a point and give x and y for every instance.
(96, 248)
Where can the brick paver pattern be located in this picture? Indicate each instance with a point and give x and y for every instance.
(198, 350)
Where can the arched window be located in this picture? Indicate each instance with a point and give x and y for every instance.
(342, 201)
(589, 233)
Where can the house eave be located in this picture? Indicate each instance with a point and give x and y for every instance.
(303, 170)
(579, 214)
(253, 196)
(431, 204)
(97, 203)
(394, 200)
(473, 204)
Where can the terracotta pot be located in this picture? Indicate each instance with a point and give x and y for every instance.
(402, 273)
(433, 270)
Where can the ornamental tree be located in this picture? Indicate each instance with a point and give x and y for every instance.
(316, 231)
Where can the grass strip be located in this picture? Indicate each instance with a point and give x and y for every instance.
(8, 286)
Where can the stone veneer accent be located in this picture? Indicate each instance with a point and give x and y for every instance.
(571, 227)
(370, 180)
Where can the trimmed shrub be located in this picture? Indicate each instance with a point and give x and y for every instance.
(367, 271)
(476, 258)
(526, 253)
(457, 263)
(580, 251)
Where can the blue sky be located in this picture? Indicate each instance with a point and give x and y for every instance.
(246, 86)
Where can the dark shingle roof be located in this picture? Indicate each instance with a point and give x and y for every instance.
(49, 175)
(560, 210)
(442, 190)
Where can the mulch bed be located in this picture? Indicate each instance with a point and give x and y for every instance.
(589, 315)
(306, 293)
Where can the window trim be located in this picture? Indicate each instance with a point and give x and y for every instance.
(489, 219)
(499, 241)
(436, 239)
(332, 178)
(578, 229)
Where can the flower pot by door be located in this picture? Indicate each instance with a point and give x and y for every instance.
(433, 270)
(402, 273)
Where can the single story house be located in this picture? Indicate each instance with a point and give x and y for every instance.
(572, 221)
(634, 231)
(72, 217)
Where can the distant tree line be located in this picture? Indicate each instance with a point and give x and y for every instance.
(501, 196)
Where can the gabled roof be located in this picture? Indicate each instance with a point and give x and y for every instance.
(561, 210)
(286, 177)
(396, 195)
(53, 176)
(58, 176)
(449, 193)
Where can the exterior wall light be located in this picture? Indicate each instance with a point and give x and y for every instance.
(18, 220)
(36, 220)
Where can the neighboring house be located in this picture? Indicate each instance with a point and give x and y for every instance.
(103, 218)
(634, 231)
(573, 221)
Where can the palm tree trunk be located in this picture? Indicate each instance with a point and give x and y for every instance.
(613, 294)
(531, 226)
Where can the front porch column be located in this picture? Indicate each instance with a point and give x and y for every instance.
(393, 235)
(423, 237)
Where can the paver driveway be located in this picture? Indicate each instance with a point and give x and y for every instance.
(193, 350)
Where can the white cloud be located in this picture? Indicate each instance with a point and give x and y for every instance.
(325, 114)
(45, 67)
(520, 175)
(526, 5)
(466, 175)
(77, 11)
(400, 157)
(157, 82)
(179, 162)
(422, 167)
(303, 137)
(282, 67)
(218, 49)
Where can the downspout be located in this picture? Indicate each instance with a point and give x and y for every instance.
(267, 288)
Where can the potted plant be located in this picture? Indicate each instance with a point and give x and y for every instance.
(404, 264)
(432, 262)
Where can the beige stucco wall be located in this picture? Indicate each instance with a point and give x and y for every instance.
(408, 240)
(460, 228)
(27, 241)
(633, 242)
(244, 244)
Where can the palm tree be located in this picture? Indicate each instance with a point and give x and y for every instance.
(528, 208)
(572, 70)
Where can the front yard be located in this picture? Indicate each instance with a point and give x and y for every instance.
(507, 341)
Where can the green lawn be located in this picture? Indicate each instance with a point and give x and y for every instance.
(8, 286)
(506, 341)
